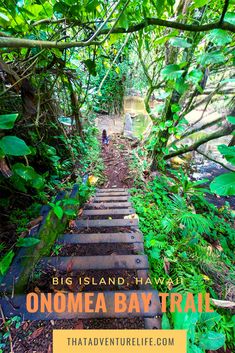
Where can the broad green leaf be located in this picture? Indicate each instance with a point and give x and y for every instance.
(7, 121)
(184, 320)
(24, 171)
(181, 86)
(155, 253)
(6, 261)
(210, 319)
(230, 17)
(211, 340)
(224, 185)
(165, 322)
(219, 37)
(14, 146)
(211, 58)
(71, 213)
(37, 182)
(29, 174)
(195, 76)
(231, 119)
(71, 202)
(172, 71)
(228, 152)
(179, 42)
(58, 211)
(27, 242)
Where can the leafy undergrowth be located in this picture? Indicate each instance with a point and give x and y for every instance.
(21, 202)
(190, 245)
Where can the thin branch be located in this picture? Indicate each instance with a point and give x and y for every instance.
(115, 59)
(198, 129)
(11, 42)
(214, 160)
(14, 84)
(217, 134)
(226, 4)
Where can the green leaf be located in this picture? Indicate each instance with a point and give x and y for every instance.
(211, 58)
(172, 71)
(124, 21)
(91, 66)
(228, 152)
(155, 253)
(7, 121)
(14, 146)
(212, 340)
(181, 86)
(25, 172)
(179, 42)
(165, 322)
(91, 5)
(27, 242)
(195, 76)
(230, 17)
(219, 37)
(6, 261)
(70, 202)
(231, 119)
(71, 213)
(210, 319)
(58, 211)
(224, 185)
(37, 182)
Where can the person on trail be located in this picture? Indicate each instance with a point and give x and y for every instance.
(105, 139)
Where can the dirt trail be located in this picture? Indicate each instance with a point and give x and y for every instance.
(116, 159)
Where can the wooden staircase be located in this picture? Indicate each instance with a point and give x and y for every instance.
(102, 222)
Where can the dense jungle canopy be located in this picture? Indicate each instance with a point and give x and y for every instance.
(66, 64)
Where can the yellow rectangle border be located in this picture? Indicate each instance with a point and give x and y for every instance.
(121, 341)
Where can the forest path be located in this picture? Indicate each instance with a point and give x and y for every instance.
(116, 158)
(102, 243)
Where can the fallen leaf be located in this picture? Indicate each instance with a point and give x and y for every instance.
(36, 333)
(35, 221)
(25, 325)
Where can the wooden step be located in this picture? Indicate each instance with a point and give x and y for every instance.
(100, 238)
(102, 205)
(112, 190)
(109, 212)
(93, 223)
(111, 198)
(107, 262)
(112, 194)
(17, 306)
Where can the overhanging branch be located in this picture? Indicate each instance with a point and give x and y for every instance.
(227, 130)
(11, 42)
